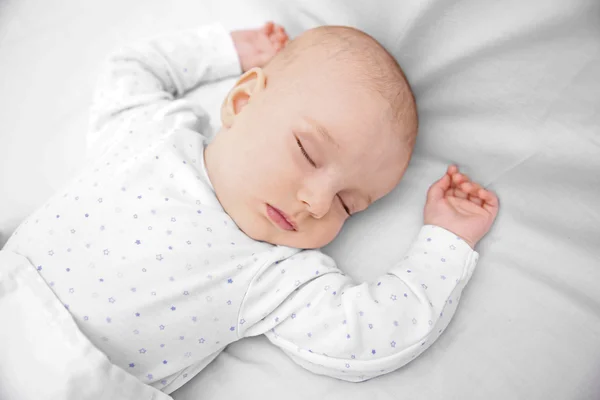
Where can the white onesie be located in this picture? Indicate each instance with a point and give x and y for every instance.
(161, 279)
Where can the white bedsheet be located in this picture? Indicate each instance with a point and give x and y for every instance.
(508, 90)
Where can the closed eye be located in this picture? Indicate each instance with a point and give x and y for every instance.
(305, 153)
(315, 165)
(344, 205)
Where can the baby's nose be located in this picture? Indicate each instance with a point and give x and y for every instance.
(319, 205)
(318, 195)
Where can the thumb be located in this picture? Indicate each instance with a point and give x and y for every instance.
(439, 188)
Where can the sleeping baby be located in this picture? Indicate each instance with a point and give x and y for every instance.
(169, 246)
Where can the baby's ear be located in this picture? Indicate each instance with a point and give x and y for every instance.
(252, 82)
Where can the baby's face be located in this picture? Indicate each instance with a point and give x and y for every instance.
(315, 150)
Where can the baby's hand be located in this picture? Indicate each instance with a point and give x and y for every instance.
(255, 47)
(461, 206)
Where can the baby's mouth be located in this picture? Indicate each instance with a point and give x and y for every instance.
(280, 219)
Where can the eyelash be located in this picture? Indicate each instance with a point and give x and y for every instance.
(305, 153)
(315, 165)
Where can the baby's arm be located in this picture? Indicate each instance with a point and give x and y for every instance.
(162, 69)
(332, 326)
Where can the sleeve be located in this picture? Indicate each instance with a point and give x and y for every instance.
(332, 326)
(159, 70)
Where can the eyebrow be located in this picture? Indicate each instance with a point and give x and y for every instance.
(322, 131)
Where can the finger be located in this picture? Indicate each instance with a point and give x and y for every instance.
(459, 178)
(470, 188)
(277, 41)
(283, 36)
(439, 188)
(488, 197)
(279, 30)
(475, 200)
(277, 45)
(452, 169)
(456, 192)
(268, 28)
(493, 210)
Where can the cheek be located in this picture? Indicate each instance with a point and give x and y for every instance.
(324, 231)
(276, 163)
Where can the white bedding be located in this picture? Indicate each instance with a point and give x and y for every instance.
(508, 90)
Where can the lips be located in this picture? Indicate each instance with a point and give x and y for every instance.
(279, 218)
